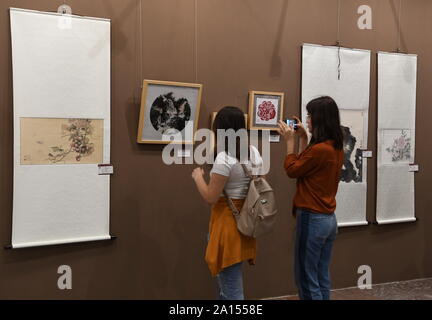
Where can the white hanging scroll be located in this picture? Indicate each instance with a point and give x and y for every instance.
(344, 75)
(397, 81)
(61, 90)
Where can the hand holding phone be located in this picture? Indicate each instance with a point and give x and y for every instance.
(292, 123)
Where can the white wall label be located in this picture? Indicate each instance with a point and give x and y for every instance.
(105, 169)
(274, 138)
(413, 167)
(183, 153)
(367, 154)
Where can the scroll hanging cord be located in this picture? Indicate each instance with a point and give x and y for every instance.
(196, 40)
(399, 27)
(141, 46)
(338, 44)
(339, 61)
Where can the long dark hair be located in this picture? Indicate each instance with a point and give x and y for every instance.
(230, 118)
(325, 119)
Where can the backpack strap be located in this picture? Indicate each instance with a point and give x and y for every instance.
(231, 204)
(246, 171)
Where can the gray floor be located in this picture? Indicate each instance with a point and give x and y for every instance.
(420, 289)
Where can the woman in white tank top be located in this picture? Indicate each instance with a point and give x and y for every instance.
(227, 248)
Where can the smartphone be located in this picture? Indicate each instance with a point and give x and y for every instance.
(292, 123)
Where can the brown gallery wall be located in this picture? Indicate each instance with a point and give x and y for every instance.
(159, 218)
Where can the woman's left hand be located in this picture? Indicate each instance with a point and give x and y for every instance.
(285, 131)
(197, 172)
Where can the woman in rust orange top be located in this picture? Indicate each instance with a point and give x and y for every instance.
(317, 168)
(227, 248)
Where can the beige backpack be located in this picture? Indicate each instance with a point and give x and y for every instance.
(258, 214)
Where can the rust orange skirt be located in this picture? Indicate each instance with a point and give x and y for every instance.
(227, 246)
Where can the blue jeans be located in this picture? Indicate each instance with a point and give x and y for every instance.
(315, 235)
(230, 283)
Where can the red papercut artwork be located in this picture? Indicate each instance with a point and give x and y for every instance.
(266, 111)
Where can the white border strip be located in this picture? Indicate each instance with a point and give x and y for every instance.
(396, 220)
(398, 53)
(352, 224)
(334, 47)
(63, 241)
(59, 14)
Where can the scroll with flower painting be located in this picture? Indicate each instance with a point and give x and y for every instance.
(397, 74)
(62, 118)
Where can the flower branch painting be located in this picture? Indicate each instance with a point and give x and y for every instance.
(61, 141)
(397, 146)
(78, 132)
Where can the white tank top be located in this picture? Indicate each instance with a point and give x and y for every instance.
(238, 182)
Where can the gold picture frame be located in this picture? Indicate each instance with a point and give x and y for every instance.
(166, 108)
(270, 105)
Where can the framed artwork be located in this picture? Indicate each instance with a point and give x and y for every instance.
(265, 110)
(53, 141)
(169, 109)
(213, 117)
